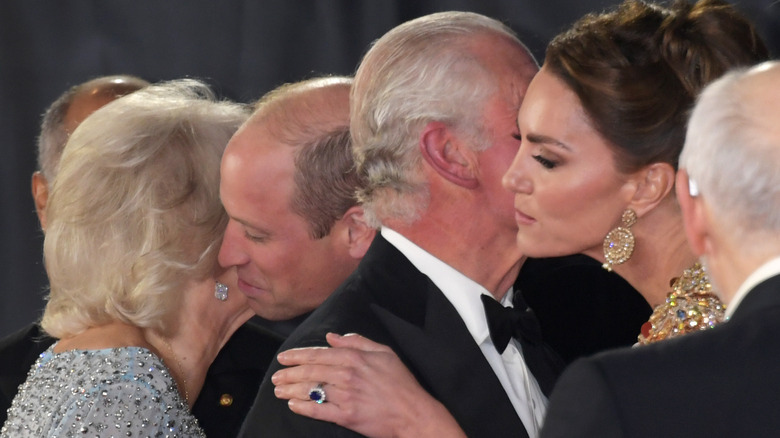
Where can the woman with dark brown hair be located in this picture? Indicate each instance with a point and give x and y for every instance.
(602, 126)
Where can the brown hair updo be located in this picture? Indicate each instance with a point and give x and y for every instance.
(638, 69)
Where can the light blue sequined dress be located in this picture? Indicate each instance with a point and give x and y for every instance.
(99, 393)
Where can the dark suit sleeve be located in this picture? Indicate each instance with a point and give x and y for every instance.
(582, 405)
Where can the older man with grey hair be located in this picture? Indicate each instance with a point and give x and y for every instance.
(724, 381)
(433, 110)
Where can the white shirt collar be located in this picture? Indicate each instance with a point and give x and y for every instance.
(765, 271)
(463, 292)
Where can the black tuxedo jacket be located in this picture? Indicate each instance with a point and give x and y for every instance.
(233, 379)
(230, 387)
(389, 301)
(722, 382)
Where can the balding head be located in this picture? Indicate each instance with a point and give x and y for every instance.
(312, 118)
(61, 119)
(71, 108)
(288, 184)
(303, 111)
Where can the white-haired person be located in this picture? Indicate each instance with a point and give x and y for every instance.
(719, 382)
(134, 223)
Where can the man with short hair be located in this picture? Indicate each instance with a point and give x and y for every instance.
(719, 382)
(288, 185)
(433, 112)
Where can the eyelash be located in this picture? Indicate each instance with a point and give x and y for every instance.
(548, 164)
(256, 239)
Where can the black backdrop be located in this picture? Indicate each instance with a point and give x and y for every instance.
(241, 47)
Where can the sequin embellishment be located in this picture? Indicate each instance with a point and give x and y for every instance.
(689, 307)
(113, 392)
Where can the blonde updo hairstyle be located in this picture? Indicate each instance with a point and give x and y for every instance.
(134, 212)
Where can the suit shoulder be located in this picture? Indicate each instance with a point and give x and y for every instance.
(23, 346)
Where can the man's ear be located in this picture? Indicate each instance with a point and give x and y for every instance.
(40, 193)
(447, 155)
(694, 217)
(652, 184)
(358, 234)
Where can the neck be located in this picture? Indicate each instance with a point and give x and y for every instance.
(201, 326)
(660, 254)
(468, 243)
(115, 334)
(731, 258)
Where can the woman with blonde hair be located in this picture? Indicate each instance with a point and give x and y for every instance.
(137, 302)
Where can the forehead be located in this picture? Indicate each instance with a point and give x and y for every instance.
(550, 95)
(510, 64)
(257, 170)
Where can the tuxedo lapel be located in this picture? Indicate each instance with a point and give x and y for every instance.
(433, 341)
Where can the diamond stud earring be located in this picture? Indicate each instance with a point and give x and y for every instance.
(221, 291)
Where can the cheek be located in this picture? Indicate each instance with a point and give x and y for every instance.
(581, 208)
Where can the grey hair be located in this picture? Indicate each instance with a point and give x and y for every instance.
(54, 135)
(732, 150)
(421, 71)
(134, 212)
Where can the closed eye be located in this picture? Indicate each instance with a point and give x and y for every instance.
(548, 164)
(255, 238)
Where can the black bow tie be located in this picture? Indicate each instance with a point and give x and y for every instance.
(506, 323)
(519, 322)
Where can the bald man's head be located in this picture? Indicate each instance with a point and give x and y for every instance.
(61, 119)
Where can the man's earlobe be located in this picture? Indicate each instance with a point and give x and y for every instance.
(442, 151)
(40, 193)
(359, 233)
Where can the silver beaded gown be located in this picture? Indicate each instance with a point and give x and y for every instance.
(117, 392)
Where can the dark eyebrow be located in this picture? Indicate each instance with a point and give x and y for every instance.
(546, 140)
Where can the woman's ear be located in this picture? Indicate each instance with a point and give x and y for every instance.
(359, 234)
(653, 183)
(447, 155)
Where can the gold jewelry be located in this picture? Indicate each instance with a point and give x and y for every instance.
(180, 369)
(689, 307)
(619, 242)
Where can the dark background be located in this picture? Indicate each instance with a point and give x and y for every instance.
(243, 48)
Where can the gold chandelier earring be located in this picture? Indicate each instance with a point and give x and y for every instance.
(619, 242)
